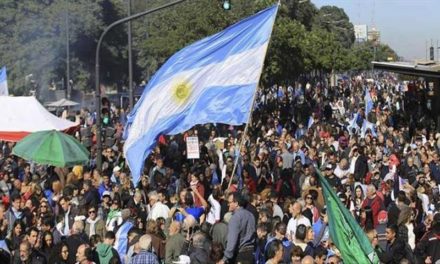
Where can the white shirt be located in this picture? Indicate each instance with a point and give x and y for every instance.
(293, 223)
(352, 164)
(277, 211)
(158, 210)
(214, 213)
(340, 173)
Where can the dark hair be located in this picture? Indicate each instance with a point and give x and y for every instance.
(217, 251)
(48, 221)
(320, 251)
(110, 235)
(394, 228)
(15, 196)
(32, 228)
(281, 228)
(263, 227)
(272, 248)
(189, 200)
(217, 193)
(369, 219)
(301, 232)
(95, 240)
(65, 198)
(401, 196)
(237, 197)
(45, 245)
(297, 252)
(88, 252)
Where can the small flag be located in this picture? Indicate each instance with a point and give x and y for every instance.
(310, 123)
(366, 125)
(352, 124)
(345, 232)
(3, 82)
(368, 102)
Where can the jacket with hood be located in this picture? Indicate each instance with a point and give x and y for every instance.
(104, 253)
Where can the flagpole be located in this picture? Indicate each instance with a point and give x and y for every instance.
(252, 108)
(243, 137)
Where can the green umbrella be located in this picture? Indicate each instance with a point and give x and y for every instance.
(52, 148)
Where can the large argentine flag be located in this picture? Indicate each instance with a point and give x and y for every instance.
(212, 80)
(3, 82)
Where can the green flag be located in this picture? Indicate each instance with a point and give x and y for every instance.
(345, 232)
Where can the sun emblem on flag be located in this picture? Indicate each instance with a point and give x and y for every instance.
(181, 91)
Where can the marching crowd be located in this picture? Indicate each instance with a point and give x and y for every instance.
(252, 198)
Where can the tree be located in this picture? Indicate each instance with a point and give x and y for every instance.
(35, 33)
(335, 20)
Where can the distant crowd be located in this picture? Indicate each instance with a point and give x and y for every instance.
(252, 198)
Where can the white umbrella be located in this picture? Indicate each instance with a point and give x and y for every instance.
(62, 103)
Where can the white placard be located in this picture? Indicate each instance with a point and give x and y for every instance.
(192, 148)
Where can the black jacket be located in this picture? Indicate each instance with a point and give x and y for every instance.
(394, 252)
(360, 168)
(429, 245)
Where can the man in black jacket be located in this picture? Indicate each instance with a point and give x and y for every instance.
(429, 245)
(395, 249)
(361, 164)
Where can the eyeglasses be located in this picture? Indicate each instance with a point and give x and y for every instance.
(309, 198)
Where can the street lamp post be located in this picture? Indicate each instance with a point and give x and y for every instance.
(97, 87)
(67, 51)
(130, 65)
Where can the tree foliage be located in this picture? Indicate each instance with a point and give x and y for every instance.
(33, 39)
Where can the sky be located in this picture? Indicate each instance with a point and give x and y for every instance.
(405, 25)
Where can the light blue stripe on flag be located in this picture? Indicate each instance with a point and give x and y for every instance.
(121, 243)
(368, 102)
(3, 82)
(212, 80)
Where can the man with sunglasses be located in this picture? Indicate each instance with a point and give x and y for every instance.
(94, 223)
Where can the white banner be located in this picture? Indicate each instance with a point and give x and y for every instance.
(192, 148)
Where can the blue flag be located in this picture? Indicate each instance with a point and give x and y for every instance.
(210, 81)
(3, 82)
(353, 125)
(366, 125)
(310, 123)
(121, 243)
(368, 102)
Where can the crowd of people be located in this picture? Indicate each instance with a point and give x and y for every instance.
(249, 198)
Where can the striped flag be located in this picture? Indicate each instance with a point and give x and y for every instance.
(3, 82)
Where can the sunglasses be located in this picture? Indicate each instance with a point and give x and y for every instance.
(309, 197)
(92, 212)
